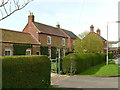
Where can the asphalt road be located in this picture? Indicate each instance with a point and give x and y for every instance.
(88, 82)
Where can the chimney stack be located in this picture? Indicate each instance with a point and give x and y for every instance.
(31, 18)
(58, 26)
(91, 28)
(98, 32)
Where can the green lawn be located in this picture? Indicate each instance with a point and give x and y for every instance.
(102, 70)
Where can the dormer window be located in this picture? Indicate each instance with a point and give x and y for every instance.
(63, 42)
(48, 40)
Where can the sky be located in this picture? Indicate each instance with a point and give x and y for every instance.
(73, 15)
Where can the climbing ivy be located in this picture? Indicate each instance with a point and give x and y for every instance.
(20, 49)
(44, 50)
(53, 52)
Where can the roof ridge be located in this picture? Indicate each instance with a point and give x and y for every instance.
(66, 30)
(13, 30)
(51, 26)
(46, 25)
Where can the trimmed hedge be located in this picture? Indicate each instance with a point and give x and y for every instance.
(77, 63)
(20, 49)
(25, 71)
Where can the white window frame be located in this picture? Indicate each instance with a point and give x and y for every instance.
(8, 50)
(28, 50)
(49, 52)
(63, 41)
(47, 40)
(39, 52)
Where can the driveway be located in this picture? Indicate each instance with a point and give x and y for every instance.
(87, 82)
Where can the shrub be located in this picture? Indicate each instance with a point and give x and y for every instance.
(44, 50)
(53, 52)
(20, 49)
(77, 63)
(110, 55)
(25, 71)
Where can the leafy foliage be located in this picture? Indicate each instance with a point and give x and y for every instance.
(77, 63)
(53, 52)
(20, 49)
(44, 50)
(92, 43)
(25, 71)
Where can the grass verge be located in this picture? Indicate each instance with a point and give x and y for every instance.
(102, 70)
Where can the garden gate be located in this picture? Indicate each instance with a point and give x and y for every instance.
(56, 65)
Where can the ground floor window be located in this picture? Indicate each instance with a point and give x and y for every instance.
(7, 52)
(38, 53)
(49, 53)
(28, 52)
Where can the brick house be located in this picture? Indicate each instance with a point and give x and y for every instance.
(37, 36)
(71, 37)
(98, 33)
(50, 36)
(11, 39)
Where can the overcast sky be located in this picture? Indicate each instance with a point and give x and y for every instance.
(73, 15)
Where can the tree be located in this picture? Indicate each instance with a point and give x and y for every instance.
(91, 43)
(8, 7)
(82, 35)
(78, 42)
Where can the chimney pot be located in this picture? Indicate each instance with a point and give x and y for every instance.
(31, 17)
(98, 31)
(58, 25)
(91, 28)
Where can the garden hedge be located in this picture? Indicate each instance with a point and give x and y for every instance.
(77, 63)
(25, 71)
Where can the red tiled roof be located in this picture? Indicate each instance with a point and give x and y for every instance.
(10, 36)
(47, 29)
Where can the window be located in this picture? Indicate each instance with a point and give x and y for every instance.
(48, 40)
(7, 52)
(38, 53)
(49, 53)
(63, 42)
(28, 52)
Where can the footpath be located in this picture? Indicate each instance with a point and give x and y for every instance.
(57, 77)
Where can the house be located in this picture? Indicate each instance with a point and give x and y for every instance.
(17, 43)
(98, 33)
(37, 38)
(50, 36)
(71, 37)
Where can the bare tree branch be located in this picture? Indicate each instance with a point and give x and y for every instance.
(10, 6)
(4, 3)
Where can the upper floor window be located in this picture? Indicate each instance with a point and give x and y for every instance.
(48, 40)
(7, 52)
(63, 42)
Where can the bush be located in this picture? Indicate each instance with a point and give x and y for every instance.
(25, 71)
(77, 63)
(110, 55)
(44, 50)
(20, 49)
(53, 52)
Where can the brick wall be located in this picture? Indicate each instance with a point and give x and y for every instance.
(56, 41)
(7, 46)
